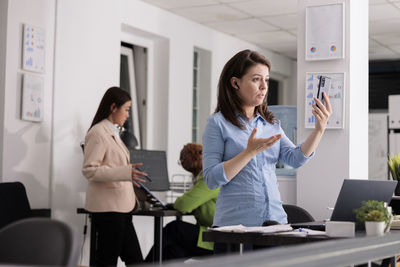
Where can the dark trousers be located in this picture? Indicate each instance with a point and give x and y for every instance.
(116, 237)
(180, 241)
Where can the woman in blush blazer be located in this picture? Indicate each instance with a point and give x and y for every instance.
(110, 195)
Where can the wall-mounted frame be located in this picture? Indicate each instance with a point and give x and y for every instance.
(33, 49)
(325, 27)
(336, 97)
(32, 98)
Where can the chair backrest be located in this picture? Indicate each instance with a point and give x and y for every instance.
(297, 214)
(38, 241)
(14, 204)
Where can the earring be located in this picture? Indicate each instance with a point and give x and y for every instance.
(237, 86)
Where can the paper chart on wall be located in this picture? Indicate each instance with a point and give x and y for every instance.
(336, 98)
(33, 54)
(32, 98)
(325, 32)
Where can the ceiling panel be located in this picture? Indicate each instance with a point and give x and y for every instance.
(396, 48)
(382, 53)
(286, 22)
(293, 32)
(373, 44)
(374, 2)
(242, 26)
(383, 12)
(260, 8)
(229, 1)
(213, 13)
(264, 38)
(173, 4)
(288, 49)
(388, 39)
(285, 46)
(384, 27)
(272, 24)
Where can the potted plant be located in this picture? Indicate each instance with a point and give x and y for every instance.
(394, 167)
(376, 216)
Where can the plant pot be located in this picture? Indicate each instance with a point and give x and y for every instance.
(397, 190)
(374, 228)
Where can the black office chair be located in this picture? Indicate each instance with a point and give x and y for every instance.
(296, 214)
(38, 241)
(14, 204)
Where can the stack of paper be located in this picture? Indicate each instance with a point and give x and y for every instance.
(304, 232)
(254, 229)
(395, 224)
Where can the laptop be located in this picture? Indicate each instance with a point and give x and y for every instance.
(352, 193)
(158, 201)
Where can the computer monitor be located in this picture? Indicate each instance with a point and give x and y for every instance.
(155, 165)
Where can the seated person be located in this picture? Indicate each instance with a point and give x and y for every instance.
(182, 239)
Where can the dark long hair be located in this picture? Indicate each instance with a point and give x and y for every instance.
(113, 95)
(228, 100)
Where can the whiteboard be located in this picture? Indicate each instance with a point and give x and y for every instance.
(336, 98)
(325, 32)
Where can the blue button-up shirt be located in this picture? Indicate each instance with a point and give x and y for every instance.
(252, 196)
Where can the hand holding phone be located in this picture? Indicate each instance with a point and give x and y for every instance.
(324, 86)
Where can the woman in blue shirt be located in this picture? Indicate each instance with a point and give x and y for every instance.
(243, 141)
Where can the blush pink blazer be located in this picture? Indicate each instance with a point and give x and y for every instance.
(107, 168)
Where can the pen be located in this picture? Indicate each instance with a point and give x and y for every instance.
(147, 177)
(303, 231)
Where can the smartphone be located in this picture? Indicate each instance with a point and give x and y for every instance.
(324, 86)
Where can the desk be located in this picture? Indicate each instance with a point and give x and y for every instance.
(259, 238)
(158, 215)
(282, 240)
(335, 252)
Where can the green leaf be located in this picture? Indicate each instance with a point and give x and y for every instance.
(394, 166)
(372, 210)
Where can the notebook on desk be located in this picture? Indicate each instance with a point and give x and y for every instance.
(352, 193)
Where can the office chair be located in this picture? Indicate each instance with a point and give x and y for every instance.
(297, 214)
(38, 241)
(14, 204)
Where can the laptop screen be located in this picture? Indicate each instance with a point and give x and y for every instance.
(353, 192)
(155, 165)
(159, 201)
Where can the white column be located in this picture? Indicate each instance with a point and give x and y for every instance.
(3, 45)
(342, 153)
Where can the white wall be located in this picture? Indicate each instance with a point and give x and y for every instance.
(3, 52)
(378, 146)
(204, 86)
(287, 188)
(342, 153)
(27, 145)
